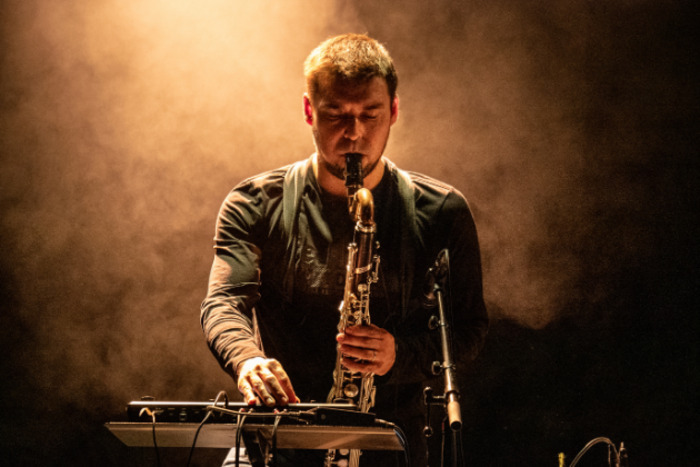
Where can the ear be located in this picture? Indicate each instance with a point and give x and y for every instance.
(395, 110)
(308, 110)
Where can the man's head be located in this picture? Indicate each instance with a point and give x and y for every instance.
(351, 103)
(350, 58)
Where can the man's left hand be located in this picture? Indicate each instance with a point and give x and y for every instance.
(367, 349)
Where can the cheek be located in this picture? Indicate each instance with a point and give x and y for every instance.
(328, 133)
(377, 132)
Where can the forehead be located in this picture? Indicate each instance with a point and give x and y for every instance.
(336, 92)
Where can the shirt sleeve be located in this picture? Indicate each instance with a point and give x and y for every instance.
(467, 310)
(451, 227)
(227, 310)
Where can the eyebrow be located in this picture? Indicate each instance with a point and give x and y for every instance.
(334, 106)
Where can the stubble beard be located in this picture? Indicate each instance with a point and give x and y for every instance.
(339, 172)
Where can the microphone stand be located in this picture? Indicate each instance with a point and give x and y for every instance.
(437, 276)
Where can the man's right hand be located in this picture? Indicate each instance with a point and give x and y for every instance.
(263, 380)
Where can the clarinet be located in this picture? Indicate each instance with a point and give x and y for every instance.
(361, 271)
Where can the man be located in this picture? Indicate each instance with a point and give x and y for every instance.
(281, 246)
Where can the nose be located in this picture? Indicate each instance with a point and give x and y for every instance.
(353, 129)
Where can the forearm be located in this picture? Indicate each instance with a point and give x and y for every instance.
(227, 311)
(467, 318)
(228, 332)
(416, 353)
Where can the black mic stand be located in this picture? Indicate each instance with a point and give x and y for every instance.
(435, 293)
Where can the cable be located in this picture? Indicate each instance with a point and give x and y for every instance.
(443, 442)
(239, 433)
(460, 443)
(592, 443)
(401, 436)
(274, 439)
(153, 431)
(204, 420)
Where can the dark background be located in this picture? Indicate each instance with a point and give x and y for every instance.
(571, 127)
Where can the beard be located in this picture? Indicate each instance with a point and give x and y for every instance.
(339, 171)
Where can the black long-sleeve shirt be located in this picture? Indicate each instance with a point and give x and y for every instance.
(281, 246)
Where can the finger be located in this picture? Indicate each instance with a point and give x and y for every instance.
(264, 380)
(260, 387)
(368, 360)
(360, 354)
(356, 352)
(274, 395)
(284, 383)
(246, 376)
(359, 366)
(358, 344)
(247, 392)
(350, 342)
(279, 384)
(365, 330)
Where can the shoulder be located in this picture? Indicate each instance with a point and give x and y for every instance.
(426, 183)
(255, 197)
(441, 214)
(268, 182)
(266, 186)
(430, 193)
(272, 182)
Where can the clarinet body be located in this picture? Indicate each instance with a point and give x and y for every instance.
(361, 272)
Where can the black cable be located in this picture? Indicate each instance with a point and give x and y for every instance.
(153, 431)
(443, 442)
(274, 439)
(239, 434)
(592, 443)
(196, 435)
(402, 439)
(460, 444)
(204, 420)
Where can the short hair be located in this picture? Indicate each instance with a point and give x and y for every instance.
(354, 58)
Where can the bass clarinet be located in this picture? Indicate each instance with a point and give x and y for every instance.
(361, 272)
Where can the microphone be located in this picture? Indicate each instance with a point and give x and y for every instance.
(435, 278)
